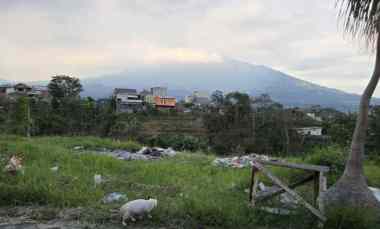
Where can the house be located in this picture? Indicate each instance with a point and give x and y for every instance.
(127, 100)
(6, 89)
(22, 89)
(147, 97)
(41, 91)
(312, 130)
(165, 102)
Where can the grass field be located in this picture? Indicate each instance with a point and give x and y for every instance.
(190, 190)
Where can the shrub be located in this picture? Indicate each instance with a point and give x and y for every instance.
(331, 156)
(347, 218)
(178, 142)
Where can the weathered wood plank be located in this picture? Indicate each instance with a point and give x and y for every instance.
(307, 167)
(254, 191)
(275, 191)
(316, 188)
(294, 194)
(322, 189)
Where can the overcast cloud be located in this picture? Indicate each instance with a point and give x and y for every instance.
(40, 38)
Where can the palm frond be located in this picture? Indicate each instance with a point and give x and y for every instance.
(361, 18)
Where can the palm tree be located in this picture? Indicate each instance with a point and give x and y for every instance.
(361, 19)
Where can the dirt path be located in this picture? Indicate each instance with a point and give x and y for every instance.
(52, 218)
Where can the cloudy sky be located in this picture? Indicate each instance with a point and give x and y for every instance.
(85, 38)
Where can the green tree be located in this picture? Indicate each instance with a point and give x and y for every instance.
(361, 19)
(21, 120)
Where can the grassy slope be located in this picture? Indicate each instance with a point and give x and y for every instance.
(190, 190)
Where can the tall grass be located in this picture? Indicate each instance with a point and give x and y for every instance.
(190, 190)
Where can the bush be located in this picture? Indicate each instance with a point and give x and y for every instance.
(178, 142)
(331, 156)
(347, 218)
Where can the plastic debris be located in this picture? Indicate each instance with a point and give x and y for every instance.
(14, 165)
(114, 197)
(54, 169)
(376, 192)
(145, 153)
(97, 179)
(78, 148)
(240, 162)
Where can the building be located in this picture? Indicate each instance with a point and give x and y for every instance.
(165, 102)
(198, 98)
(312, 130)
(22, 89)
(127, 100)
(6, 89)
(147, 97)
(159, 91)
(314, 117)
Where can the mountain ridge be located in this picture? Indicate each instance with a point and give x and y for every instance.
(229, 75)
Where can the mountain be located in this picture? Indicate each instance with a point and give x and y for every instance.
(228, 75)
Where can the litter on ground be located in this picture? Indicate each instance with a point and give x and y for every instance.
(54, 169)
(114, 197)
(240, 161)
(97, 179)
(376, 192)
(145, 153)
(14, 165)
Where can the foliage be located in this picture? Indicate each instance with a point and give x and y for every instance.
(20, 122)
(62, 86)
(229, 124)
(347, 218)
(126, 126)
(340, 128)
(331, 156)
(361, 17)
(178, 142)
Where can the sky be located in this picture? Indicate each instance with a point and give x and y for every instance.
(87, 38)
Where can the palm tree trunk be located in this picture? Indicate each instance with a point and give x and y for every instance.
(352, 187)
(354, 164)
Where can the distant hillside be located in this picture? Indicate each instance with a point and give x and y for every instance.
(228, 75)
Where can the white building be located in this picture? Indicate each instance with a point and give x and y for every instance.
(313, 130)
(314, 117)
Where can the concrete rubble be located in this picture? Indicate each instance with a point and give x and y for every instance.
(376, 192)
(145, 153)
(114, 197)
(240, 161)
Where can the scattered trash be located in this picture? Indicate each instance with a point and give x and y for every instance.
(262, 186)
(376, 192)
(276, 211)
(145, 153)
(54, 169)
(240, 162)
(98, 179)
(114, 197)
(78, 148)
(137, 208)
(14, 165)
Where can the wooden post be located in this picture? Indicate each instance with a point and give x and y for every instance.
(322, 189)
(316, 188)
(253, 187)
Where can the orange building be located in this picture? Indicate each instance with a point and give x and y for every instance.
(165, 102)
